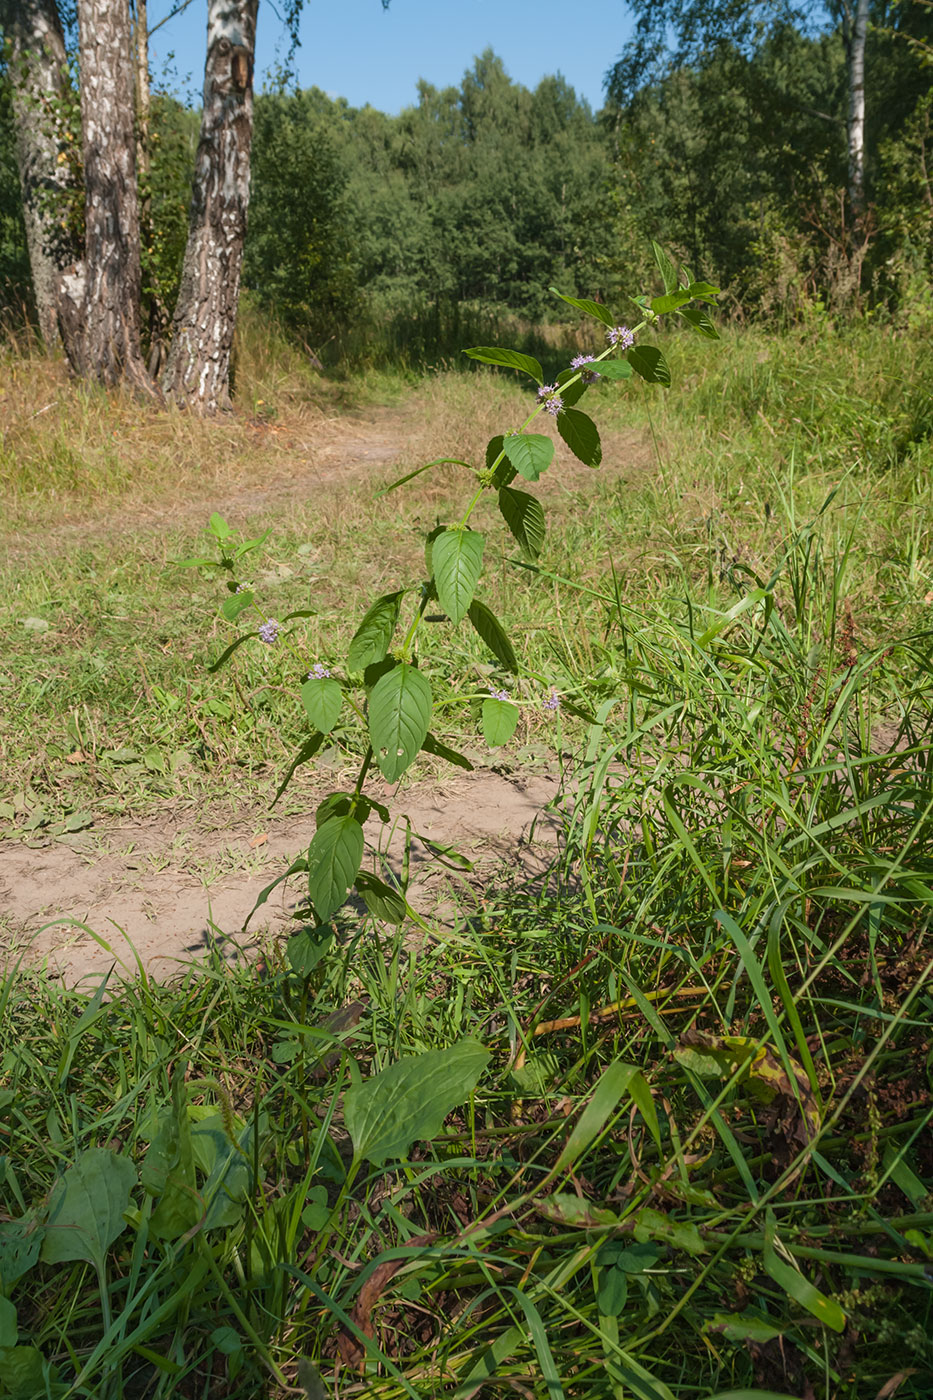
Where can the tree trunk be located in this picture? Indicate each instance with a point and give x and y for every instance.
(38, 69)
(113, 353)
(855, 30)
(197, 373)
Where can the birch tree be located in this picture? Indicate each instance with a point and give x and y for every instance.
(38, 68)
(197, 372)
(698, 25)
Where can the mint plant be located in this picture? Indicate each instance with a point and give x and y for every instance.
(385, 680)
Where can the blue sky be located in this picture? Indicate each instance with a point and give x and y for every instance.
(354, 49)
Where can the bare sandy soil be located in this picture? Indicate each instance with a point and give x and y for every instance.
(162, 891)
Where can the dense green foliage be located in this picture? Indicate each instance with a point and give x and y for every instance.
(377, 236)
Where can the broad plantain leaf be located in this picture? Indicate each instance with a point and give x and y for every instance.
(334, 858)
(409, 1101)
(457, 561)
(399, 718)
(86, 1207)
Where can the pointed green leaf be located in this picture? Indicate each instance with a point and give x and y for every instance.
(581, 436)
(457, 561)
(499, 720)
(304, 755)
(615, 369)
(232, 606)
(492, 633)
(700, 321)
(399, 718)
(86, 1207)
(322, 700)
(409, 1101)
(570, 393)
(380, 899)
(666, 267)
(434, 746)
(799, 1288)
(648, 361)
(702, 291)
(371, 639)
(504, 471)
(334, 858)
(511, 359)
(524, 515)
(530, 453)
(589, 308)
(670, 302)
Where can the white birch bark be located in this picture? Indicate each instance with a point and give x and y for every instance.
(855, 32)
(197, 372)
(38, 70)
(112, 349)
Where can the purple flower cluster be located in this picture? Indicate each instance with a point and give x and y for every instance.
(589, 376)
(621, 335)
(243, 587)
(318, 672)
(269, 631)
(553, 700)
(498, 694)
(549, 396)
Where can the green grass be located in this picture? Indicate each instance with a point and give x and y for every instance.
(698, 1157)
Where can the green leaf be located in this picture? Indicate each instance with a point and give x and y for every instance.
(700, 321)
(86, 1207)
(667, 269)
(226, 654)
(322, 700)
(23, 1374)
(741, 1327)
(511, 359)
(307, 948)
(504, 472)
(434, 746)
(499, 720)
(654, 1225)
(297, 867)
(648, 361)
(20, 1242)
(613, 1291)
(581, 436)
(492, 633)
(226, 1340)
(670, 302)
(567, 1208)
(797, 1287)
(9, 1330)
(218, 527)
(304, 755)
(614, 1081)
(570, 393)
(399, 718)
(589, 308)
(380, 899)
(530, 453)
(371, 639)
(334, 858)
(447, 855)
(409, 1101)
(457, 561)
(703, 291)
(615, 369)
(524, 517)
(236, 603)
